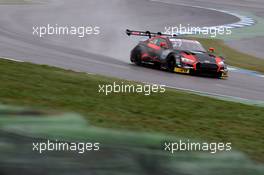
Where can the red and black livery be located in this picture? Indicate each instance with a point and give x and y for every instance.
(176, 55)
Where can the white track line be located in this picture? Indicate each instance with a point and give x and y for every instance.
(11, 59)
(216, 96)
(245, 21)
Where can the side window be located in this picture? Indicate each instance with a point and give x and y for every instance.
(161, 40)
(155, 41)
(163, 43)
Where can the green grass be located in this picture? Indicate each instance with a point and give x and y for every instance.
(175, 112)
(234, 57)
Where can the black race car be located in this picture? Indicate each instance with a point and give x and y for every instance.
(176, 55)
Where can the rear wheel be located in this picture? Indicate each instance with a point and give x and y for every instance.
(171, 63)
(138, 61)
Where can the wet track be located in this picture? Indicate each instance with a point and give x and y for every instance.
(108, 53)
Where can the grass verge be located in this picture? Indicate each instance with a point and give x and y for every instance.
(234, 57)
(175, 112)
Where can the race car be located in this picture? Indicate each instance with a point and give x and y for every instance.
(176, 55)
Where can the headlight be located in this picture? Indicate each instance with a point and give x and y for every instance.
(221, 63)
(187, 60)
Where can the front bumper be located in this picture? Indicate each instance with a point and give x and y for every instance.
(208, 71)
(224, 72)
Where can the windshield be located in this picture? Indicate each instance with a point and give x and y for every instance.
(181, 44)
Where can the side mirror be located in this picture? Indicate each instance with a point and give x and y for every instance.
(163, 45)
(223, 58)
(211, 49)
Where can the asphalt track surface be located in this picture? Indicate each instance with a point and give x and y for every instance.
(251, 45)
(108, 53)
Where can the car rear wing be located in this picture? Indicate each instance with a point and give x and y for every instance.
(147, 33)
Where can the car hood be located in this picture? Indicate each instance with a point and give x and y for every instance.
(202, 57)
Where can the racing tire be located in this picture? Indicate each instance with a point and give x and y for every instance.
(171, 63)
(138, 61)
